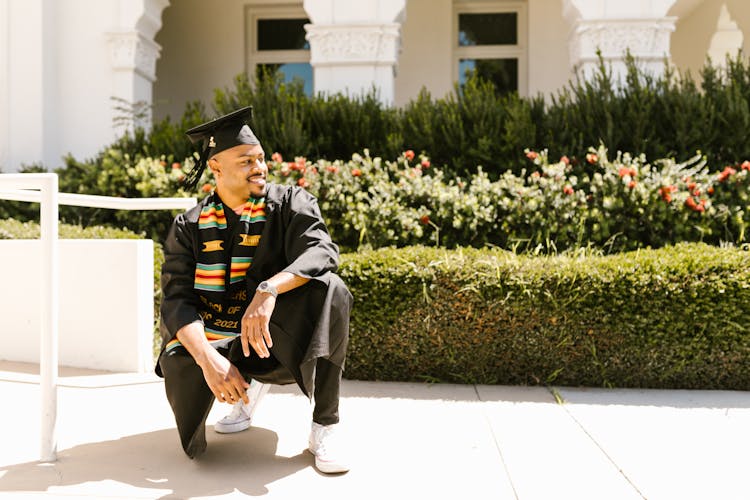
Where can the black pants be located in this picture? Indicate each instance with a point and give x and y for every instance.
(191, 399)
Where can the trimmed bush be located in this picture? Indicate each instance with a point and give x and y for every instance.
(676, 317)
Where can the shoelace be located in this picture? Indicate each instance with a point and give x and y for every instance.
(238, 412)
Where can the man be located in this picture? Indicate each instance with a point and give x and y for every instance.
(250, 296)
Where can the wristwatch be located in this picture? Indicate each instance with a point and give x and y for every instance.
(267, 287)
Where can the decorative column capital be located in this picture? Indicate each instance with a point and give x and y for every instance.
(614, 27)
(132, 51)
(646, 39)
(349, 44)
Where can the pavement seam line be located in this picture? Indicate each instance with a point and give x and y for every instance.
(497, 444)
(609, 458)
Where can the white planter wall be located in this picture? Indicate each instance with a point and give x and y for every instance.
(106, 303)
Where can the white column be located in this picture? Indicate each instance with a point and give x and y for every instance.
(615, 26)
(4, 88)
(29, 94)
(354, 46)
(134, 52)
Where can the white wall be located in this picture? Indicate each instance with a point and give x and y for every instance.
(28, 32)
(198, 56)
(203, 47)
(549, 56)
(428, 43)
(4, 85)
(692, 38)
(106, 303)
(426, 58)
(58, 75)
(86, 85)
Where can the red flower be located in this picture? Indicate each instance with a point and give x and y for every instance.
(691, 186)
(175, 166)
(745, 165)
(623, 171)
(532, 155)
(631, 184)
(565, 160)
(726, 173)
(206, 188)
(425, 163)
(710, 190)
(356, 172)
(334, 169)
(302, 182)
(696, 192)
(425, 219)
(592, 158)
(697, 207)
(409, 154)
(568, 189)
(276, 157)
(665, 192)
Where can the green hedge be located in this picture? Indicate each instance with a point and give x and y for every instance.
(676, 317)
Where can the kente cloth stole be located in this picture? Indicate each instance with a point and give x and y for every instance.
(220, 272)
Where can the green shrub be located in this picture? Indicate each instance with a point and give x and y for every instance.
(621, 203)
(669, 318)
(115, 173)
(660, 116)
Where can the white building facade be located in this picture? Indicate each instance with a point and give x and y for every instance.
(66, 65)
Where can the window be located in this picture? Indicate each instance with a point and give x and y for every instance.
(276, 43)
(490, 42)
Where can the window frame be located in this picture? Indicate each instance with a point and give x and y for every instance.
(519, 51)
(253, 56)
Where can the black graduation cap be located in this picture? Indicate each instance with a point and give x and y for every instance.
(217, 135)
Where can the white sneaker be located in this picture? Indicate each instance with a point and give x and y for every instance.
(325, 445)
(242, 414)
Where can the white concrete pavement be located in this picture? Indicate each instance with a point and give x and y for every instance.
(117, 439)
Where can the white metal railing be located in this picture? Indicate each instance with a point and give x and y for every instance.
(43, 189)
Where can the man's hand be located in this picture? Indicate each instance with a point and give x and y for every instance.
(255, 321)
(223, 378)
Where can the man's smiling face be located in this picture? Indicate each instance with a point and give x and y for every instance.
(240, 171)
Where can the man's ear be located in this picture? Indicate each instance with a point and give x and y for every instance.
(214, 165)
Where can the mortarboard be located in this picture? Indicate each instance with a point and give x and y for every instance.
(217, 135)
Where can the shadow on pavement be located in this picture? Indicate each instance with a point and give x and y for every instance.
(154, 461)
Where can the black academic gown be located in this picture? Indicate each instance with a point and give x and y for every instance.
(309, 322)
